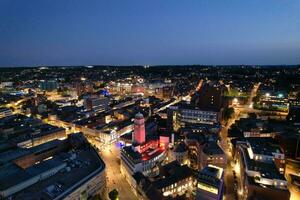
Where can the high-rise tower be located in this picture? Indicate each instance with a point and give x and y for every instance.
(139, 135)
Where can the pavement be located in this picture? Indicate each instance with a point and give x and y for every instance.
(230, 192)
(115, 180)
(228, 172)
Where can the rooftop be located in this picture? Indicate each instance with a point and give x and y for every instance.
(264, 146)
(173, 173)
(211, 175)
(266, 169)
(212, 148)
(73, 164)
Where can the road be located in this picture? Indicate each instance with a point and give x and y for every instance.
(248, 107)
(114, 179)
(228, 172)
(230, 192)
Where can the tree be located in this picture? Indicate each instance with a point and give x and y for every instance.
(113, 195)
(228, 113)
(96, 197)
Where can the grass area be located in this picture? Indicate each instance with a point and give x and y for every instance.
(235, 93)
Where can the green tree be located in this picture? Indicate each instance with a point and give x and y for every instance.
(113, 195)
(228, 113)
(96, 197)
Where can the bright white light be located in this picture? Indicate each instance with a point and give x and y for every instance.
(267, 94)
(251, 105)
(280, 95)
(235, 100)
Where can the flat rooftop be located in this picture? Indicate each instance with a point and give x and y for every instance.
(136, 156)
(174, 174)
(73, 165)
(267, 170)
(264, 146)
(85, 163)
(211, 175)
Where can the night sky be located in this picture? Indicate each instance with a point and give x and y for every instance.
(125, 32)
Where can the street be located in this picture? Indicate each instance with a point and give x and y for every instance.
(231, 189)
(115, 180)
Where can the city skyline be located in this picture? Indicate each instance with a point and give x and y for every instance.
(35, 33)
(157, 133)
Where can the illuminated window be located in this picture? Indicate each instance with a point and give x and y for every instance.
(208, 188)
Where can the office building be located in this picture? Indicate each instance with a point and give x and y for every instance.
(209, 96)
(210, 183)
(174, 180)
(260, 171)
(96, 103)
(183, 114)
(48, 85)
(212, 154)
(60, 169)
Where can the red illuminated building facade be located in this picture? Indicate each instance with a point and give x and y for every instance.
(143, 155)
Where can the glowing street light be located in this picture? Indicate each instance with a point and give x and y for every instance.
(251, 105)
(235, 102)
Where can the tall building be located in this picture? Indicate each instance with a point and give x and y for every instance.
(96, 103)
(139, 135)
(48, 85)
(183, 114)
(210, 183)
(209, 96)
(143, 155)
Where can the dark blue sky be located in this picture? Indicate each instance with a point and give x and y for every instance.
(77, 32)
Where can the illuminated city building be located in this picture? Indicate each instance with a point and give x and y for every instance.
(137, 89)
(48, 85)
(210, 183)
(274, 101)
(264, 150)
(209, 96)
(183, 114)
(180, 153)
(173, 180)
(60, 169)
(96, 103)
(139, 135)
(212, 154)
(25, 132)
(257, 166)
(195, 142)
(142, 156)
(4, 112)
